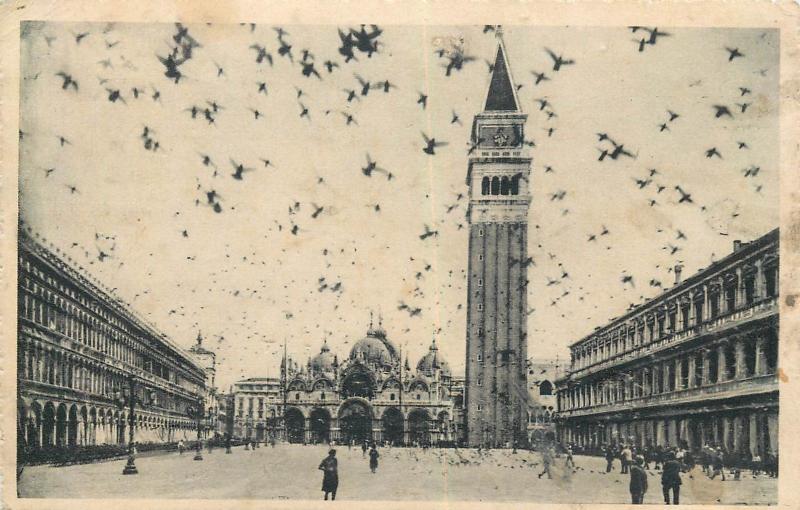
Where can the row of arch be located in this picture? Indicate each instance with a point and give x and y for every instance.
(59, 425)
(501, 185)
(356, 422)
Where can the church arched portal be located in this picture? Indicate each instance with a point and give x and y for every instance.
(418, 424)
(355, 422)
(320, 426)
(295, 425)
(393, 426)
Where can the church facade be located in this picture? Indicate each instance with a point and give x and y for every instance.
(371, 395)
(498, 177)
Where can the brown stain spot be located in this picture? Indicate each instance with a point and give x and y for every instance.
(762, 106)
(791, 299)
(782, 376)
(704, 493)
(449, 44)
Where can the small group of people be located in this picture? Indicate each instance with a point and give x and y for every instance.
(330, 468)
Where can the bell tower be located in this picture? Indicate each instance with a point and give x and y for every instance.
(498, 177)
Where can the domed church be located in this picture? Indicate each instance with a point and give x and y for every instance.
(370, 395)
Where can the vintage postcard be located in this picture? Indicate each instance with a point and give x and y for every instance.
(265, 255)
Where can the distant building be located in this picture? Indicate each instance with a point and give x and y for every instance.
(371, 395)
(542, 405)
(79, 348)
(695, 365)
(208, 360)
(224, 425)
(257, 404)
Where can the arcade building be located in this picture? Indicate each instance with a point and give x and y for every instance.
(371, 395)
(694, 366)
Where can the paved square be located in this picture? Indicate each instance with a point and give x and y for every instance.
(290, 472)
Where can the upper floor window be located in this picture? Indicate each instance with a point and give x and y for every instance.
(485, 186)
(730, 298)
(749, 290)
(771, 281)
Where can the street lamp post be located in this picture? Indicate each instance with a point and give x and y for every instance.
(197, 414)
(127, 398)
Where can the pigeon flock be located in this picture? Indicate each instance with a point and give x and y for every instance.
(262, 184)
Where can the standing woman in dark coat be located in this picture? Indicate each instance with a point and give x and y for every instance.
(373, 459)
(330, 481)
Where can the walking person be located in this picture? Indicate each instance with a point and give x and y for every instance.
(625, 457)
(364, 449)
(671, 479)
(609, 459)
(181, 447)
(717, 464)
(638, 484)
(373, 459)
(547, 459)
(570, 461)
(330, 479)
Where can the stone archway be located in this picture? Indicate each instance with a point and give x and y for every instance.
(295, 425)
(419, 428)
(72, 426)
(355, 421)
(34, 424)
(320, 425)
(61, 425)
(393, 426)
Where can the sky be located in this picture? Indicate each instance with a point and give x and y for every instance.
(297, 251)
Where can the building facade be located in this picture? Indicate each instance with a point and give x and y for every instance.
(257, 404)
(369, 396)
(542, 406)
(79, 349)
(694, 366)
(498, 177)
(208, 360)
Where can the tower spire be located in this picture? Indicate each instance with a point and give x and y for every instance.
(502, 94)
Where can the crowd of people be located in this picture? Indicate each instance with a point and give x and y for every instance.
(673, 461)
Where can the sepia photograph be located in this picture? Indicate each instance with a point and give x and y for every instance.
(290, 261)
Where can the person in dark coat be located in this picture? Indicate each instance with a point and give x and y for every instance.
(671, 479)
(373, 459)
(364, 449)
(638, 485)
(330, 480)
(609, 459)
(719, 468)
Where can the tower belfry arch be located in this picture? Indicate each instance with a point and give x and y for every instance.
(498, 177)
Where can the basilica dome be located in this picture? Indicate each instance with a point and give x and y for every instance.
(324, 361)
(375, 348)
(432, 361)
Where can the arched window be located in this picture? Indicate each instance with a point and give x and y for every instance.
(297, 396)
(485, 186)
(495, 185)
(515, 185)
(505, 186)
(546, 388)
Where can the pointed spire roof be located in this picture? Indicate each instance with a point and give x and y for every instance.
(502, 95)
